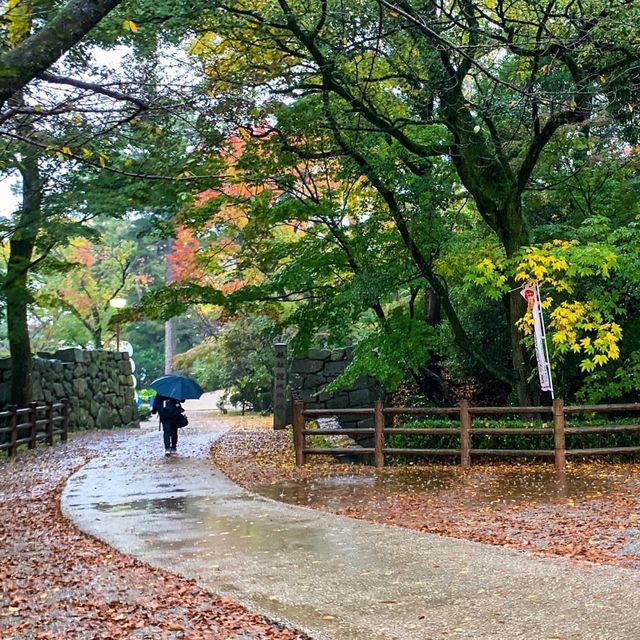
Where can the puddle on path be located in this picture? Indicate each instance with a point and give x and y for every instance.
(490, 485)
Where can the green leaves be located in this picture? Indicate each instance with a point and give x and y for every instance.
(388, 353)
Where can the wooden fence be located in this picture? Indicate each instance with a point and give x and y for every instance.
(465, 431)
(33, 424)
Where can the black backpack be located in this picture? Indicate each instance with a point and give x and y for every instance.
(168, 410)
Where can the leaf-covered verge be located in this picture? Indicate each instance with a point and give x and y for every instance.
(56, 582)
(593, 514)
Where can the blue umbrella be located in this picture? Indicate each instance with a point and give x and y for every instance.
(177, 387)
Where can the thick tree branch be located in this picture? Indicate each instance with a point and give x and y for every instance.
(39, 52)
(96, 88)
(424, 267)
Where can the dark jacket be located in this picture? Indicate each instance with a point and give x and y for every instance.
(168, 409)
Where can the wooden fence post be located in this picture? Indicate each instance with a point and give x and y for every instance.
(298, 428)
(65, 420)
(33, 407)
(559, 445)
(49, 427)
(465, 434)
(13, 447)
(378, 423)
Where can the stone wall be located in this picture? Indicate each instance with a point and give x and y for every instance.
(97, 383)
(308, 375)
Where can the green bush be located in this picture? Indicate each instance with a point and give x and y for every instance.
(515, 441)
(146, 395)
(144, 411)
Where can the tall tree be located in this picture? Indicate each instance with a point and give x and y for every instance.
(399, 88)
(64, 115)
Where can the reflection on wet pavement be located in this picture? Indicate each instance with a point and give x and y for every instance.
(339, 578)
(532, 485)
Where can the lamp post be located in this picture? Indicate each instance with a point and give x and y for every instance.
(118, 303)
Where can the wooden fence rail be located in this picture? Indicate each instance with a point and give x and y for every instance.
(465, 431)
(33, 424)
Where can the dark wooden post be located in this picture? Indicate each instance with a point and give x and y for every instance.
(49, 427)
(33, 407)
(559, 445)
(465, 435)
(298, 428)
(65, 420)
(280, 386)
(378, 423)
(13, 446)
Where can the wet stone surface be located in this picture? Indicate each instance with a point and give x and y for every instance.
(331, 576)
(532, 487)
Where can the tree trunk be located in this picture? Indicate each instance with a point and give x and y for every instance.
(514, 237)
(16, 291)
(169, 345)
(519, 359)
(37, 53)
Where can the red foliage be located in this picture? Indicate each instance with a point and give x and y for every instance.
(183, 260)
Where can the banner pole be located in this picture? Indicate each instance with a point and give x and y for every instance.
(544, 340)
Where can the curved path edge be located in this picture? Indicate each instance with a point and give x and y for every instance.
(330, 576)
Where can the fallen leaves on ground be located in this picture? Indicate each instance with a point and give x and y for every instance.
(56, 582)
(592, 513)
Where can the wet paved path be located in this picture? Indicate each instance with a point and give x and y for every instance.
(335, 577)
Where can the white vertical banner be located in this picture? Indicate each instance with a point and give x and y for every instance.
(531, 294)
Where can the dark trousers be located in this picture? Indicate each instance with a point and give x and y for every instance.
(170, 433)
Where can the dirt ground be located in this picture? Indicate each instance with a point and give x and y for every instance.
(592, 513)
(56, 582)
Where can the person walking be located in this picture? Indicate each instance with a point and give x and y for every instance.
(171, 414)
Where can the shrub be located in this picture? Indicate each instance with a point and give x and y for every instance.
(515, 441)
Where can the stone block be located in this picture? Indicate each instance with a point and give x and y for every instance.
(360, 398)
(124, 366)
(126, 414)
(36, 390)
(338, 402)
(111, 399)
(365, 423)
(40, 364)
(307, 366)
(313, 381)
(5, 364)
(363, 382)
(80, 387)
(318, 354)
(334, 369)
(106, 418)
(5, 392)
(338, 354)
(305, 395)
(70, 355)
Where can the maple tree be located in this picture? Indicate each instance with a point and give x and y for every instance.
(397, 93)
(97, 273)
(64, 124)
